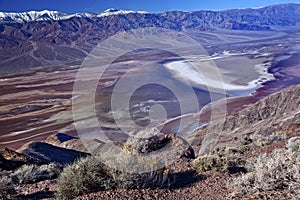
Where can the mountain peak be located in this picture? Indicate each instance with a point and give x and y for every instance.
(109, 10)
(45, 15)
(31, 16)
(113, 11)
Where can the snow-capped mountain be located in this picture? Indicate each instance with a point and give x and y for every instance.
(46, 15)
(32, 16)
(113, 11)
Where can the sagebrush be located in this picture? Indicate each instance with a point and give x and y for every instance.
(7, 188)
(33, 173)
(86, 175)
(225, 160)
(276, 175)
(90, 174)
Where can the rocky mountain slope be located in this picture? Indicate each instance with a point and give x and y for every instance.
(47, 15)
(49, 38)
(271, 119)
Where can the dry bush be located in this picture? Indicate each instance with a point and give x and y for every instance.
(132, 166)
(7, 189)
(84, 176)
(270, 176)
(210, 163)
(224, 160)
(264, 140)
(294, 144)
(153, 179)
(217, 163)
(32, 173)
(90, 174)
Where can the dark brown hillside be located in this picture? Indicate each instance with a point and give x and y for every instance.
(275, 116)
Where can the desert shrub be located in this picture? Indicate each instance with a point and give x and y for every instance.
(90, 174)
(231, 151)
(294, 144)
(210, 163)
(224, 160)
(153, 179)
(134, 165)
(7, 189)
(84, 176)
(32, 173)
(270, 176)
(217, 163)
(245, 140)
(260, 140)
(264, 140)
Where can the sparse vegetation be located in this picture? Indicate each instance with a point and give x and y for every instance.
(217, 163)
(210, 163)
(86, 175)
(271, 176)
(7, 189)
(90, 174)
(294, 144)
(259, 140)
(153, 179)
(24, 175)
(32, 173)
(264, 140)
(225, 160)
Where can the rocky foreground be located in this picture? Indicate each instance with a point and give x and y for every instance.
(259, 133)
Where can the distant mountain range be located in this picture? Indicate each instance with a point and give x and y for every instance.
(47, 15)
(50, 38)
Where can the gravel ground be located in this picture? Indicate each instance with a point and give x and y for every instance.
(188, 185)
